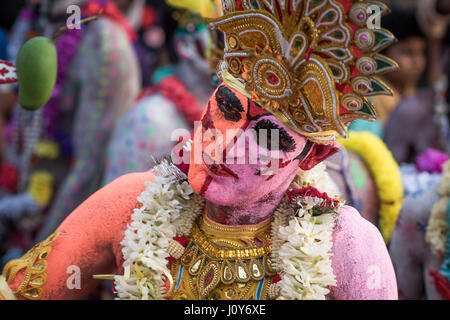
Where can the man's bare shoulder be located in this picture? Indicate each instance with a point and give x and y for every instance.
(361, 262)
(350, 225)
(117, 199)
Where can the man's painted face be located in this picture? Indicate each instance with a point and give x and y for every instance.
(240, 160)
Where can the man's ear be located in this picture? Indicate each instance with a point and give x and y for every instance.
(318, 153)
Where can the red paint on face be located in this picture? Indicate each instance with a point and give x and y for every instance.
(223, 217)
(205, 185)
(213, 118)
(318, 153)
(239, 183)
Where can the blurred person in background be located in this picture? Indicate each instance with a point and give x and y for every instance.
(9, 10)
(55, 155)
(418, 119)
(105, 82)
(420, 244)
(174, 102)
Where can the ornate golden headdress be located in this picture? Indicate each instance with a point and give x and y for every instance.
(311, 63)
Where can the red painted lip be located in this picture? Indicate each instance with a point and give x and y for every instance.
(221, 170)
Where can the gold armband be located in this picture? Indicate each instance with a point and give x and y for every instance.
(35, 264)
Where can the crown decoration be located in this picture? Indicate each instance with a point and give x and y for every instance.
(311, 63)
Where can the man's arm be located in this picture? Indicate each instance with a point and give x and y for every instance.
(88, 244)
(361, 262)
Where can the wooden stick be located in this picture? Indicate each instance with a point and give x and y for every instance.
(65, 28)
(103, 276)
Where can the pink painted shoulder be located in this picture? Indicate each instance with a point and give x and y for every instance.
(361, 261)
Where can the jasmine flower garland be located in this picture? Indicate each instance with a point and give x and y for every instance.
(438, 235)
(438, 227)
(165, 212)
(445, 268)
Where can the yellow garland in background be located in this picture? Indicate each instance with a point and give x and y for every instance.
(436, 235)
(47, 150)
(386, 174)
(41, 187)
(205, 8)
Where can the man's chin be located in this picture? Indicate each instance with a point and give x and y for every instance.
(223, 192)
(198, 178)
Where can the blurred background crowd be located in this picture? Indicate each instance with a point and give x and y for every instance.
(147, 67)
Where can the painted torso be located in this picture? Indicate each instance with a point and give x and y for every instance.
(360, 260)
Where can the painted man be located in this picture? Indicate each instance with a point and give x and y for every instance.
(254, 225)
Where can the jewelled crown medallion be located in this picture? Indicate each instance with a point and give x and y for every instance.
(311, 63)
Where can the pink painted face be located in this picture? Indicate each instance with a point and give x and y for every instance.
(233, 167)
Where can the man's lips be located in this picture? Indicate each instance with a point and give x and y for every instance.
(221, 170)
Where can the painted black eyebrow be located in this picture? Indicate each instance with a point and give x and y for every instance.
(229, 104)
(305, 151)
(286, 138)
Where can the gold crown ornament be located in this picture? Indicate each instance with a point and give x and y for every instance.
(311, 63)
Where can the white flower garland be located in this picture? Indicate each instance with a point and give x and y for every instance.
(165, 212)
(437, 229)
(301, 246)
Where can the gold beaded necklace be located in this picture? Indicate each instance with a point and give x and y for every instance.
(225, 262)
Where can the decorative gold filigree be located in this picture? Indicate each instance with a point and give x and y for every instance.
(221, 262)
(35, 264)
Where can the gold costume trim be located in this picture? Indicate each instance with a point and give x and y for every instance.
(222, 262)
(215, 229)
(201, 240)
(35, 264)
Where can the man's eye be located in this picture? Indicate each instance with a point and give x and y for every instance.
(285, 143)
(229, 104)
